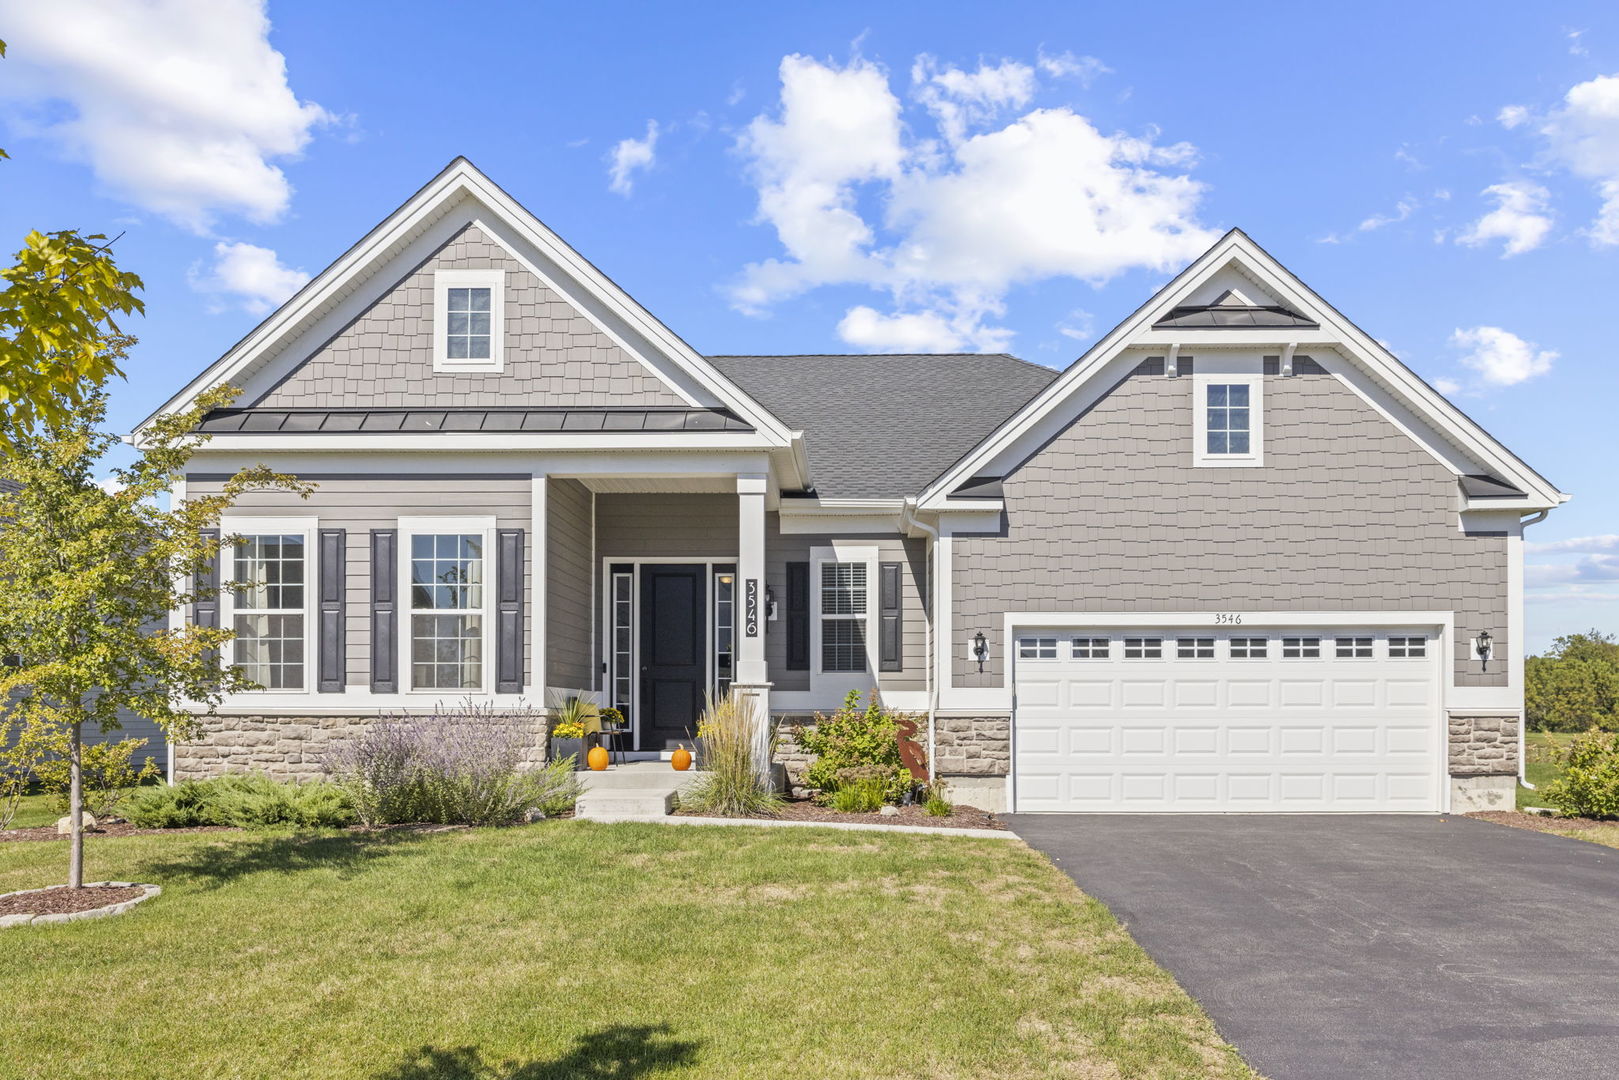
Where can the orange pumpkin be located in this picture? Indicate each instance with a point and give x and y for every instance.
(597, 758)
(681, 759)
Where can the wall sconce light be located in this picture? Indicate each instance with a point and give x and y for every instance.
(770, 604)
(1481, 646)
(980, 650)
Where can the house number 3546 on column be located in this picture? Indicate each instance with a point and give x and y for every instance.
(750, 607)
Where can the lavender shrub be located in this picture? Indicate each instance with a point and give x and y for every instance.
(461, 766)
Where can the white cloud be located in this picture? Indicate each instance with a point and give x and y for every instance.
(179, 106)
(1576, 47)
(1588, 570)
(251, 274)
(1604, 542)
(1512, 116)
(1520, 218)
(1080, 325)
(1448, 387)
(947, 225)
(630, 156)
(1402, 210)
(1501, 358)
(1582, 135)
(1085, 69)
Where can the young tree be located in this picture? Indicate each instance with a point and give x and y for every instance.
(89, 574)
(1575, 686)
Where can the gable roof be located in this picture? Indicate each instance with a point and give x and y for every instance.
(461, 193)
(880, 426)
(1399, 392)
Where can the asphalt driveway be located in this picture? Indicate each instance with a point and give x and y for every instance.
(1364, 947)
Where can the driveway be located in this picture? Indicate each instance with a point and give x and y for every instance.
(1363, 947)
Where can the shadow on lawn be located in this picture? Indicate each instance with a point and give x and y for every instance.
(213, 865)
(619, 1052)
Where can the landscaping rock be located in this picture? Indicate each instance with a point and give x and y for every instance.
(889, 811)
(64, 826)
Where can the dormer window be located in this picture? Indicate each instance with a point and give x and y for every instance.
(467, 320)
(1227, 428)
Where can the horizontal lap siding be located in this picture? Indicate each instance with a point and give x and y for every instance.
(569, 647)
(1346, 514)
(911, 554)
(666, 526)
(360, 505)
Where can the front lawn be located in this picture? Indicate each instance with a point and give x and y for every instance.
(1540, 763)
(571, 949)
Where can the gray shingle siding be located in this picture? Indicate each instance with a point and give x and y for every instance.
(554, 355)
(1347, 513)
(361, 504)
(569, 578)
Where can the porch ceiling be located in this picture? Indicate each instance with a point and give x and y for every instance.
(649, 485)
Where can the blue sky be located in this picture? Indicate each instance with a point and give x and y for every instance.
(859, 177)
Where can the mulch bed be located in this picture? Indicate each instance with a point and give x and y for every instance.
(62, 900)
(961, 817)
(122, 828)
(1539, 822)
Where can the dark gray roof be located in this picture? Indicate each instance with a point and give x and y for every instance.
(327, 421)
(884, 426)
(1480, 486)
(1229, 310)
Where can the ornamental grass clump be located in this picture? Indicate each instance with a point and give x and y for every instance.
(463, 766)
(732, 783)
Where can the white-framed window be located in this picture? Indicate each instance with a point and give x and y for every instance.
(1228, 424)
(272, 616)
(844, 604)
(468, 320)
(724, 629)
(1301, 648)
(1037, 648)
(1408, 647)
(623, 620)
(1088, 648)
(1354, 648)
(446, 566)
(1143, 648)
(1194, 648)
(1249, 648)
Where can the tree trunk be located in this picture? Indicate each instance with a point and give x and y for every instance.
(75, 813)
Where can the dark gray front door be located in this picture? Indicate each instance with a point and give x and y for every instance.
(674, 663)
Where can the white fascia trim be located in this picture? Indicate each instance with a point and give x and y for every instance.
(1335, 328)
(815, 517)
(460, 178)
(443, 282)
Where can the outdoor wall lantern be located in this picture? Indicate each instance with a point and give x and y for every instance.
(980, 650)
(1481, 645)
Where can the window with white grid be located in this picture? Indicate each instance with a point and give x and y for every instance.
(843, 616)
(1037, 648)
(1408, 648)
(268, 615)
(1143, 648)
(1301, 648)
(1199, 648)
(1354, 648)
(1088, 648)
(468, 314)
(447, 622)
(1248, 648)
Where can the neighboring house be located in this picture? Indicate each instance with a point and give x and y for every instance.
(1235, 557)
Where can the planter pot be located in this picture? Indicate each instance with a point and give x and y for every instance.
(574, 748)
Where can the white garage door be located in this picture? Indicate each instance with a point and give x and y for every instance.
(1189, 720)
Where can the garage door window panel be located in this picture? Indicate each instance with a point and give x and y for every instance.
(1408, 648)
(1248, 648)
(1037, 648)
(1353, 648)
(1194, 648)
(1301, 648)
(1089, 648)
(1143, 648)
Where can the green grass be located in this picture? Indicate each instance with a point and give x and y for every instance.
(1540, 763)
(574, 949)
(35, 810)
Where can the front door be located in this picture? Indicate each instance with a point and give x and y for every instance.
(674, 661)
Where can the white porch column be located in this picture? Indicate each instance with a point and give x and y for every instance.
(751, 687)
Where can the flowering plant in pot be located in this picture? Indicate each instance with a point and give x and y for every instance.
(572, 724)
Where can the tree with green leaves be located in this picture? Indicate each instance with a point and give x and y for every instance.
(59, 307)
(1575, 686)
(90, 572)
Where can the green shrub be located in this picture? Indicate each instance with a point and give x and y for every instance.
(731, 784)
(246, 800)
(183, 806)
(852, 739)
(865, 796)
(937, 805)
(107, 772)
(1589, 785)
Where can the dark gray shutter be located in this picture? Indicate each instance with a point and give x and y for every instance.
(331, 611)
(384, 611)
(205, 609)
(798, 616)
(509, 612)
(890, 638)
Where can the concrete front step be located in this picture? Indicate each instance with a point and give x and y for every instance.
(607, 804)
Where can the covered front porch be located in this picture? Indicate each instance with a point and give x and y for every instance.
(655, 598)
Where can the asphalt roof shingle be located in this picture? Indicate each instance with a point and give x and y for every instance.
(882, 426)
